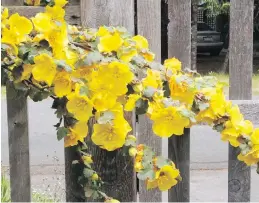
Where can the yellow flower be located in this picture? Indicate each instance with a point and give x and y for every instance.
(249, 159)
(21, 24)
(173, 65)
(127, 55)
(131, 102)
(109, 42)
(4, 16)
(252, 157)
(182, 91)
(77, 133)
(95, 177)
(42, 22)
(138, 166)
(111, 200)
(58, 40)
(56, 13)
(44, 69)
(87, 159)
(168, 121)
(141, 42)
(132, 151)
(103, 101)
(62, 84)
(152, 79)
(27, 69)
(60, 3)
(232, 131)
(165, 178)
(111, 136)
(83, 72)
(149, 56)
(102, 31)
(112, 78)
(32, 2)
(19, 27)
(79, 106)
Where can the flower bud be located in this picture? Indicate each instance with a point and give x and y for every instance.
(95, 177)
(133, 151)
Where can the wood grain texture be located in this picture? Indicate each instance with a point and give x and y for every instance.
(179, 153)
(179, 31)
(72, 12)
(19, 158)
(241, 49)
(74, 192)
(95, 13)
(115, 170)
(240, 71)
(250, 109)
(149, 26)
(179, 45)
(12, 2)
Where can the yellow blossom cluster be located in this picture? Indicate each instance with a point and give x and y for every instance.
(98, 74)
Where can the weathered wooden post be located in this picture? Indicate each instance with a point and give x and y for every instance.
(18, 133)
(240, 71)
(149, 25)
(19, 156)
(115, 170)
(179, 46)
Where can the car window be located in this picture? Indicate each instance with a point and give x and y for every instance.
(203, 27)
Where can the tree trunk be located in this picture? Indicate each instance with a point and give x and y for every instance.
(194, 35)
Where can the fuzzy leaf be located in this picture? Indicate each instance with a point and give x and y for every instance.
(62, 132)
(161, 161)
(143, 175)
(106, 117)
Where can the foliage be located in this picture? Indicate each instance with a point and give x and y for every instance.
(97, 75)
(215, 7)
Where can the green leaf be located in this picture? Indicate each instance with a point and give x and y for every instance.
(88, 172)
(149, 92)
(218, 128)
(84, 91)
(95, 195)
(156, 66)
(166, 89)
(143, 175)
(62, 132)
(37, 95)
(203, 106)
(141, 106)
(61, 64)
(17, 72)
(106, 117)
(88, 191)
(161, 161)
(130, 142)
(93, 58)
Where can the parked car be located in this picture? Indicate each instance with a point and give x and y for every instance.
(208, 40)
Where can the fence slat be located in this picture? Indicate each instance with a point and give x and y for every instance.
(115, 169)
(149, 25)
(179, 46)
(12, 2)
(241, 67)
(19, 159)
(72, 12)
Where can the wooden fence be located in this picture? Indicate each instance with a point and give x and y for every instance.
(143, 17)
